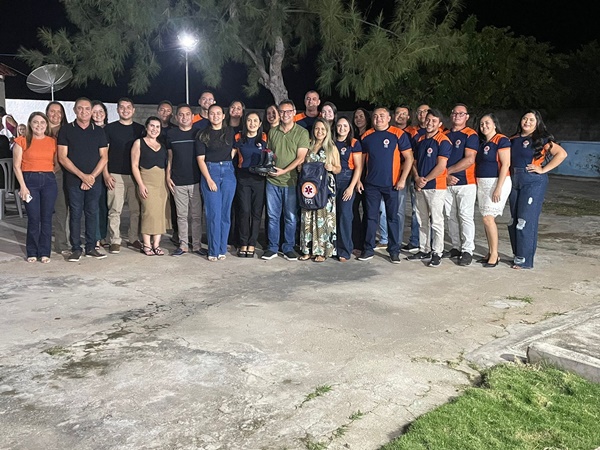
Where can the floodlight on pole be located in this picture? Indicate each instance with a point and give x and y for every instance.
(188, 43)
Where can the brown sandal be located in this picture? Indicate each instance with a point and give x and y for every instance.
(320, 258)
(303, 257)
(158, 251)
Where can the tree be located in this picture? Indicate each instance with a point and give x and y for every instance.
(583, 70)
(265, 35)
(499, 71)
(368, 56)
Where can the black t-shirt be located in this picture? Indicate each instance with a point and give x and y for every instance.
(83, 145)
(120, 139)
(150, 158)
(184, 167)
(219, 145)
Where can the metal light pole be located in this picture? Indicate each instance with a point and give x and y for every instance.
(188, 43)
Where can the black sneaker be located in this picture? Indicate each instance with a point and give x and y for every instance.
(75, 256)
(365, 256)
(201, 252)
(419, 256)
(465, 259)
(395, 258)
(291, 255)
(269, 254)
(410, 248)
(453, 253)
(95, 254)
(435, 260)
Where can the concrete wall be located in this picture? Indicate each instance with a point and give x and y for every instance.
(583, 159)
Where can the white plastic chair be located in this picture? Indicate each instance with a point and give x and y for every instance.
(9, 187)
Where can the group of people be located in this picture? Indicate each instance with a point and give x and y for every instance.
(180, 165)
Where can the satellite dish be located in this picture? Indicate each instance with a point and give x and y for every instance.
(49, 78)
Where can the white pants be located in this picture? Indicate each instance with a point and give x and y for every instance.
(430, 215)
(459, 208)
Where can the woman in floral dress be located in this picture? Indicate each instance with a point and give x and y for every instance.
(317, 227)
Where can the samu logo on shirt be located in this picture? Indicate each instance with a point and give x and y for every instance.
(457, 144)
(343, 151)
(525, 144)
(429, 152)
(259, 146)
(486, 149)
(386, 143)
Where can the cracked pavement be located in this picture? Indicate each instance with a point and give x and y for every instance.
(134, 352)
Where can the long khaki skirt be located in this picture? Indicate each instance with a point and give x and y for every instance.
(154, 208)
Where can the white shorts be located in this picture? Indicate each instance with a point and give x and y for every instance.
(485, 189)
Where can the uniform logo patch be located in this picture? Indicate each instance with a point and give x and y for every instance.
(343, 151)
(309, 189)
(386, 143)
(526, 143)
(259, 146)
(457, 143)
(486, 149)
(429, 152)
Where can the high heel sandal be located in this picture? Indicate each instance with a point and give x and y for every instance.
(488, 264)
(147, 250)
(484, 260)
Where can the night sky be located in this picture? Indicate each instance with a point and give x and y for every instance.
(548, 21)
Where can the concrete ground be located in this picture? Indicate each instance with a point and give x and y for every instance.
(136, 352)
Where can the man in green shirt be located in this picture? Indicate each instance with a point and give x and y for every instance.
(290, 143)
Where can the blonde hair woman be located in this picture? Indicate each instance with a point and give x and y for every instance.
(318, 233)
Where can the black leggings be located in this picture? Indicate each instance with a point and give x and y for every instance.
(250, 201)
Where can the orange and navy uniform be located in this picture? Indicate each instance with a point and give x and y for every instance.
(249, 152)
(522, 152)
(463, 141)
(347, 152)
(426, 157)
(383, 155)
(199, 122)
(304, 121)
(487, 161)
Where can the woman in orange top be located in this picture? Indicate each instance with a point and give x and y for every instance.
(34, 160)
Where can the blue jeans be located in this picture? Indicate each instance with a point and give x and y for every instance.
(282, 200)
(43, 190)
(218, 205)
(525, 200)
(102, 227)
(373, 196)
(82, 203)
(345, 214)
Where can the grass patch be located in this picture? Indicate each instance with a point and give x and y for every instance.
(525, 299)
(56, 351)
(518, 407)
(319, 391)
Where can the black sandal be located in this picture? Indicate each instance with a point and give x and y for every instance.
(242, 253)
(146, 250)
(250, 254)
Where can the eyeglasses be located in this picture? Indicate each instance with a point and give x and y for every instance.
(285, 112)
(458, 114)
